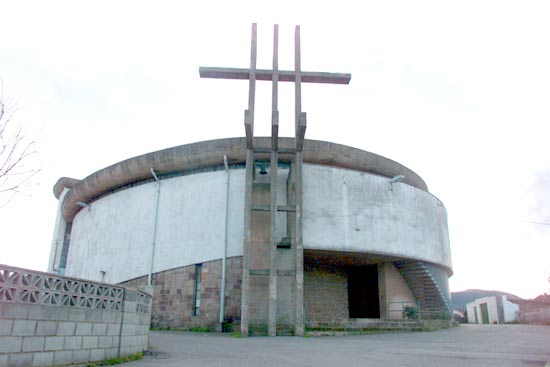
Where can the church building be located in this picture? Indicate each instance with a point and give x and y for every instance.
(262, 234)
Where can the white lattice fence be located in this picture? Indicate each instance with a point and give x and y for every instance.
(26, 286)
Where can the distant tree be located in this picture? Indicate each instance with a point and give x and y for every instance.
(15, 149)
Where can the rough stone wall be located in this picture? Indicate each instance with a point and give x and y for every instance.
(258, 293)
(233, 288)
(325, 295)
(173, 294)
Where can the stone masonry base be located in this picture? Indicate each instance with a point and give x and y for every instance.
(174, 298)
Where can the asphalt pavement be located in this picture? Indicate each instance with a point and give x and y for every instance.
(467, 345)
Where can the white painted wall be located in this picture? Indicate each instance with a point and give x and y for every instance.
(474, 308)
(344, 210)
(471, 311)
(398, 294)
(115, 233)
(347, 210)
(510, 310)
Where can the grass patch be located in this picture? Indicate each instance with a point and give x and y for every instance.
(160, 328)
(198, 329)
(116, 360)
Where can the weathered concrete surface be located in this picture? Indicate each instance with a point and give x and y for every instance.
(190, 227)
(347, 210)
(343, 210)
(468, 345)
(210, 154)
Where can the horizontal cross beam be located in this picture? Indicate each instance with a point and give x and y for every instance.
(284, 75)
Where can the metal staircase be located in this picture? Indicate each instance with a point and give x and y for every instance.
(434, 301)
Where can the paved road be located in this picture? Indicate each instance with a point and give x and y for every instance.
(467, 345)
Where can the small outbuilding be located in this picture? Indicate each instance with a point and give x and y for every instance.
(492, 310)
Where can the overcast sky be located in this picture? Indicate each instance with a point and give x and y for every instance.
(459, 92)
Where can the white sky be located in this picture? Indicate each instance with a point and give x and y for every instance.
(459, 92)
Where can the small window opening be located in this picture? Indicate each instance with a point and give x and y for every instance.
(197, 305)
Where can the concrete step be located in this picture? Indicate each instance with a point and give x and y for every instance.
(362, 326)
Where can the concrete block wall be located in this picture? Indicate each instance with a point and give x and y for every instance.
(63, 331)
(135, 323)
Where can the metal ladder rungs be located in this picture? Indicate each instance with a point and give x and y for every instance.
(267, 208)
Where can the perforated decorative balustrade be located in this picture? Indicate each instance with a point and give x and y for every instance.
(26, 286)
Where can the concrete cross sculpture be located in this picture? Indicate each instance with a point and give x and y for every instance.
(249, 246)
(275, 75)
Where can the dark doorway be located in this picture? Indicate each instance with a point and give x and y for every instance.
(363, 292)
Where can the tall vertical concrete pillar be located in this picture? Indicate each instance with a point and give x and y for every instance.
(299, 327)
(246, 243)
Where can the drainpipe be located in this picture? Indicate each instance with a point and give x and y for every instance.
(222, 292)
(149, 278)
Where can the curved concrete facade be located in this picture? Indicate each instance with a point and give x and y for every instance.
(190, 228)
(124, 226)
(210, 154)
(352, 211)
(344, 210)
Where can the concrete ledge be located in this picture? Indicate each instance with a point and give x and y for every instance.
(366, 326)
(210, 154)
